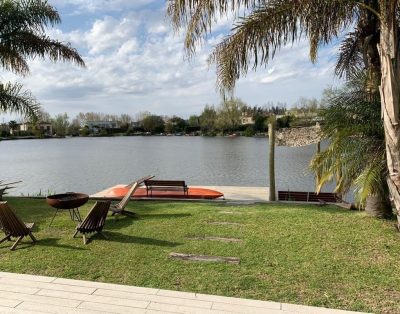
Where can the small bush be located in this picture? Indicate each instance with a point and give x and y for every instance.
(249, 132)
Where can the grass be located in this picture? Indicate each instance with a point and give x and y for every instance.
(321, 256)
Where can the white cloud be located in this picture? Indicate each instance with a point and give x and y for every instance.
(108, 33)
(102, 5)
(135, 63)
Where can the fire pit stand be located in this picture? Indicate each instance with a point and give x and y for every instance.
(68, 201)
(73, 213)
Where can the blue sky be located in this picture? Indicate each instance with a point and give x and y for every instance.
(136, 63)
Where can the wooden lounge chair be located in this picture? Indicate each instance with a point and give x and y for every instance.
(94, 221)
(12, 226)
(119, 208)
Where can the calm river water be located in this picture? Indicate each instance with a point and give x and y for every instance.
(93, 164)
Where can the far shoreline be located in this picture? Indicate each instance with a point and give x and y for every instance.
(110, 136)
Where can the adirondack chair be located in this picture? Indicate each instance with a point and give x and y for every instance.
(119, 208)
(12, 226)
(94, 221)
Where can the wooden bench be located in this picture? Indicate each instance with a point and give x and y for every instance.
(307, 197)
(165, 185)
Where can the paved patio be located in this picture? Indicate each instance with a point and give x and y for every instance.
(38, 294)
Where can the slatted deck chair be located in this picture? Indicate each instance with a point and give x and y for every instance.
(119, 208)
(94, 221)
(12, 226)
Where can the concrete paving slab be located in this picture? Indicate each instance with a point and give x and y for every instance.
(110, 298)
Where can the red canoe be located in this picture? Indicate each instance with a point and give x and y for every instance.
(193, 193)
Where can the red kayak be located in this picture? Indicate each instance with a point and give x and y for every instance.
(193, 193)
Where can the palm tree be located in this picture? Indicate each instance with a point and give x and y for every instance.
(267, 25)
(355, 156)
(22, 37)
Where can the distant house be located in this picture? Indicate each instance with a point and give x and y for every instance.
(45, 127)
(246, 119)
(100, 125)
(135, 124)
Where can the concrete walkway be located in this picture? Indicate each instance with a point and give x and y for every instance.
(241, 193)
(37, 294)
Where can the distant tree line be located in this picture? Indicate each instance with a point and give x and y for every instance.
(229, 117)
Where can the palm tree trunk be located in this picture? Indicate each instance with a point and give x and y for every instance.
(271, 139)
(378, 206)
(390, 97)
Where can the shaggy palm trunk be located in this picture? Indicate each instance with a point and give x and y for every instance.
(377, 206)
(271, 136)
(389, 89)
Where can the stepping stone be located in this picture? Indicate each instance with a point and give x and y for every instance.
(236, 240)
(225, 223)
(205, 258)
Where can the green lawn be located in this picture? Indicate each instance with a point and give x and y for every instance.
(322, 256)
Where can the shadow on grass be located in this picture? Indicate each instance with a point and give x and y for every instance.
(163, 216)
(119, 222)
(52, 242)
(49, 242)
(123, 238)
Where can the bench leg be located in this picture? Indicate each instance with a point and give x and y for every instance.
(16, 243)
(85, 240)
(54, 216)
(7, 238)
(76, 232)
(32, 237)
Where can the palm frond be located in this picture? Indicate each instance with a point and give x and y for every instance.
(12, 60)
(22, 35)
(15, 100)
(342, 161)
(255, 38)
(32, 45)
(350, 59)
(355, 156)
(181, 13)
(370, 181)
(27, 14)
(264, 26)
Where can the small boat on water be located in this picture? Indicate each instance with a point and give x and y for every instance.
(192, 193)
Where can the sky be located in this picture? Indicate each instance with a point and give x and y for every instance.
(136, 62)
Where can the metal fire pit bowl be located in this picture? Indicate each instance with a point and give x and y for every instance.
(67, 200)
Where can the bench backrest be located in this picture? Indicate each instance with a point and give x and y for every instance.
(164, 183)
(307, 196)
